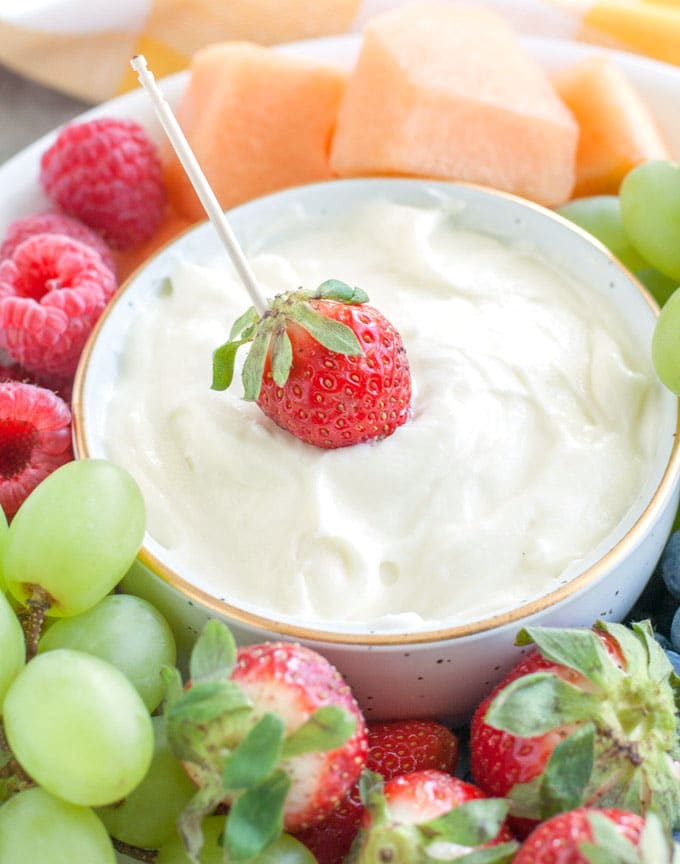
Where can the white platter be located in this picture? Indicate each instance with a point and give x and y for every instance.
(658, 83)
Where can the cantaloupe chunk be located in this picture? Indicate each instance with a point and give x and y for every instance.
(617, 129)
(446, 90)
(257, 119)
(647, 28)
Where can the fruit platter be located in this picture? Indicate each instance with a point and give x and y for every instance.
(145, 719)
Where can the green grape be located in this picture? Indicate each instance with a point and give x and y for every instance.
(36, 828)
(600, 215)
(3, 538)
(148, 815)
(666, 344)
(12, 647)
(285, 850)
(659, 286)
(78, 727)
(75, 536)
(126, 631)
(650, 209)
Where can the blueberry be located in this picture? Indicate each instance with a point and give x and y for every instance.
(669, 565)
(675, 631)
(674, 657)
(663, 641)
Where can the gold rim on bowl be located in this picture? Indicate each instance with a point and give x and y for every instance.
(442, 634)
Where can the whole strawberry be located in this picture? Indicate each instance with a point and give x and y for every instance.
(594, 836)
(588, 718)
(394, 748)
(323, 365)
(429, 815)
(271, 730)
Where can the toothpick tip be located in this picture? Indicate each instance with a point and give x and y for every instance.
(138, 63)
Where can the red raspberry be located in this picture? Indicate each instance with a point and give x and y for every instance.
(35, 438)
(54, 223)
(108, 174)
(52, 290)
(9, 370)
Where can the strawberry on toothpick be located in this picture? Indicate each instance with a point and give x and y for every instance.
(323, 364)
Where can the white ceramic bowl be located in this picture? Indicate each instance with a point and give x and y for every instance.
(443, 672)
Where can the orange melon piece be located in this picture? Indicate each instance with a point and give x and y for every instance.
(128, 260)
(446, 90)
(617, 129)
(647, 28)
(257, 120)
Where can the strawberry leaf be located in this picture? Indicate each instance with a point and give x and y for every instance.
(469, 824)
(632, 647)
(243, 326)
(190, 819)
(334, 289)
(371, 786)
(567, 772)
(253, 368)
(330, 333)
(536, 703)
(172, 683)
(608, 839)
(256, 817)
(223, 360)
(188, 718)
(659, 666)
(575, 648)
(655, 842)
(213, 656)
(327, 728)
(256, 755)
(598, 855)
(282, 356)
(525, 799)
(502, 853)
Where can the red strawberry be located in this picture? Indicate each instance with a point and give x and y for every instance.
(295, 681)
(394, 748)
(403, 820)
(272, 730)
(323, 365)
(588, 718)
(568, 838)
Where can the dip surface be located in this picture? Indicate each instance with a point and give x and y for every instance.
(533, 423)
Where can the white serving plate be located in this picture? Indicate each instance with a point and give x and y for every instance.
(658, 83)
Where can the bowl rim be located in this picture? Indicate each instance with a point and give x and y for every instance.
(287, 629)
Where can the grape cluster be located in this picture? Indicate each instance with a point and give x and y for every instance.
(86, 768)
(76, 696)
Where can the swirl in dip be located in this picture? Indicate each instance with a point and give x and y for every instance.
(533, 423)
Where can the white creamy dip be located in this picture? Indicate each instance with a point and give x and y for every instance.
(532, 425)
